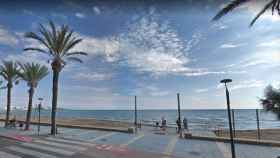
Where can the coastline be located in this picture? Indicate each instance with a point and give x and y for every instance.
(84, 123)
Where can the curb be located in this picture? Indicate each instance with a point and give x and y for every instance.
(87, 127)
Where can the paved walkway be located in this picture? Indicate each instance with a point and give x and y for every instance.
(92, 143)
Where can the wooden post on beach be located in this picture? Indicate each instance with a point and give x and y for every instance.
(258, 123)
(233, 122)
(135, 113)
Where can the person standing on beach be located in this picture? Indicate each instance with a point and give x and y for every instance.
(163, 123)
(178, 125)
(185, 123)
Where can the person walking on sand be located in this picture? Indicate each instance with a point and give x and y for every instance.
(185, 123)
(178, 123)
(157, 124)
(163, 123)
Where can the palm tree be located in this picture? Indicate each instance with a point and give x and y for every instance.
(9, 71)
(274, 5)
(58, 43)
(271, 100)
(31, 73)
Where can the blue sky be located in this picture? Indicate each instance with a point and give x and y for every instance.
(152, 50)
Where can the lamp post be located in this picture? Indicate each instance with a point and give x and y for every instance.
(179, 115)
(39, 114)
(135, 113)
(225, 81)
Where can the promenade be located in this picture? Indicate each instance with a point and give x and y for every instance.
(94, 143)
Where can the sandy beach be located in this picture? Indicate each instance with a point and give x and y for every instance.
(266, 134)
(82, 123)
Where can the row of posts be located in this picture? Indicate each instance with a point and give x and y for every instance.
(179, 114)
(257, 120)
(230, 117)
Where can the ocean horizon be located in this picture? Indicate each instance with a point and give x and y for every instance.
(198, 119)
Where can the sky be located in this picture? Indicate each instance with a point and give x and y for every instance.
(151, 49)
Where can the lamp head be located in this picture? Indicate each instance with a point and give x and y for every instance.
(41, 99)
(226, 80)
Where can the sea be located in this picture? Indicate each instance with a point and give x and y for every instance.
(244, 119)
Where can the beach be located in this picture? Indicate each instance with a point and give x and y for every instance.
(86, 123)
(265, 134)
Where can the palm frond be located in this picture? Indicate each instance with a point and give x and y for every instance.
(268, 5)
(48, 37)
(76, 53)
(9, 71)
(53, 28)
(32, 73)
(61, 38)
(58, 41)
(228, 8)
(71, 44)
(74, 59)
(36, 49)
(34, 36)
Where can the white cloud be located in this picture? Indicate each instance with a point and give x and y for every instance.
(86, 89)
(203, 72)
(265, 59)
(80, 15)
(159, 93)
(201, 90)
(254, 63)
(219, 26)
(93, 76)
(107, 47)
(244, 84)
(59, 15)
(7, 38)
(272, 43)
(231, 45)
(149, 90)
(248, 84)
(150, 46)
(96, 10)
(28, 57)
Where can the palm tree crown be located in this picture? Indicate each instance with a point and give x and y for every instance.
(273, 4)
(9, 71)
(57, 42)
(32, 73)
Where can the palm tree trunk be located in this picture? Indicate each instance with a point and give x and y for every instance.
(54, 100)
(9, 89)
(29, 110)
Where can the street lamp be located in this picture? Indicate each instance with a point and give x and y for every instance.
(179, 115)
(39, 112)
(135, 113)
(225, 81)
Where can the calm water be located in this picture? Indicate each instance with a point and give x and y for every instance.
(198, 119)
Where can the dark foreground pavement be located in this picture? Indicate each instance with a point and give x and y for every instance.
(117, 152)
(79, 143)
